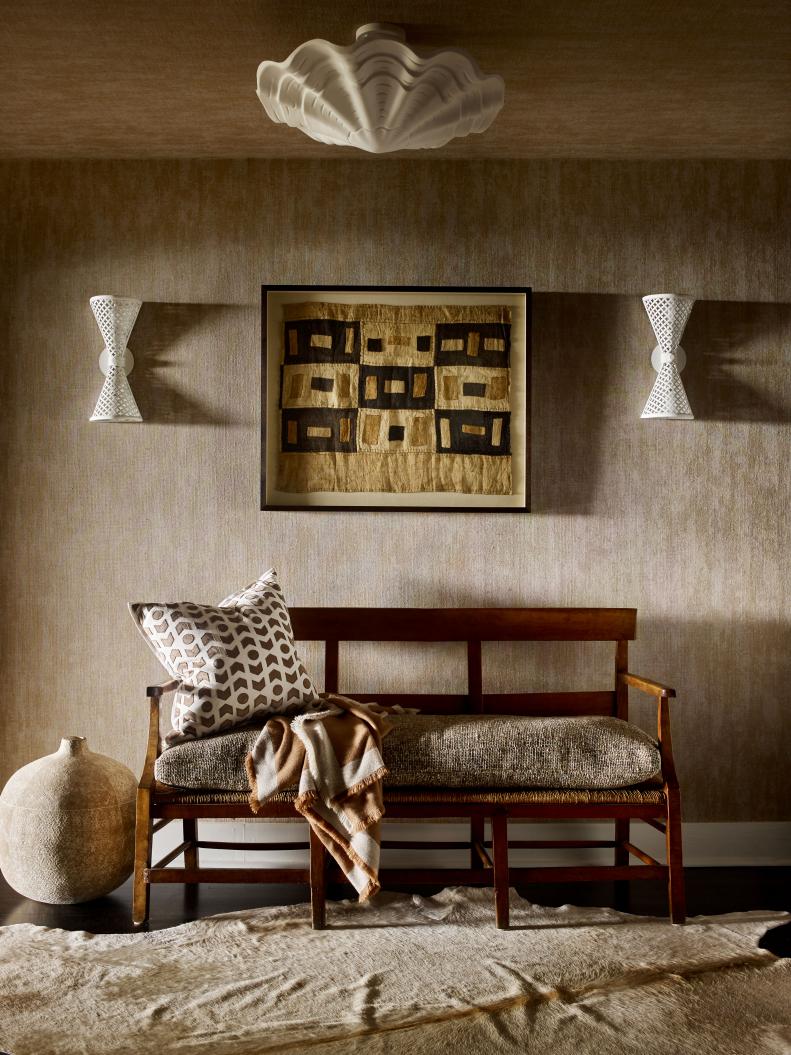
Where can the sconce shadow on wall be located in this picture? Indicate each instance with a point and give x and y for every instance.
(573, 373)
(718, 650)
(164, 365)
(738, 361)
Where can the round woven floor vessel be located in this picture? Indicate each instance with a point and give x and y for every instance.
(67, 825)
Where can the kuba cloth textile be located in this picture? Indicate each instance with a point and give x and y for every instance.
(396, 398)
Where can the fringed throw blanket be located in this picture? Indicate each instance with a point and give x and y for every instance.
(334, 757)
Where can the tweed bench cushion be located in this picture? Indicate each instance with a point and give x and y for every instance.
(456, 751)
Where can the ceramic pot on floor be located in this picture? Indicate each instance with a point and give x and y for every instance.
(67, 825)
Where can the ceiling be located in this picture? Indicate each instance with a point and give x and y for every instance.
(584, 78)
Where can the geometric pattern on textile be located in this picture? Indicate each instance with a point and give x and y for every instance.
(392, 384)
(394, 430)
(232, 661)
(397, 387)
(319, 429)
(473, 432)
(320, 385)
(476, 388)
(322, 341)
(486, 344)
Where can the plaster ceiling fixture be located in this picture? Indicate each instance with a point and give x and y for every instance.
(668, 313)
(115, 317)
(378, 94)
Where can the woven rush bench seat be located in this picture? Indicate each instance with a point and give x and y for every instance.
(456, 751)
(649, 793)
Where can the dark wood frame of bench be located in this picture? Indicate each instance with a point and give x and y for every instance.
(158, 805)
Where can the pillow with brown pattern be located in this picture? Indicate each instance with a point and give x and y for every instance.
(233, 660)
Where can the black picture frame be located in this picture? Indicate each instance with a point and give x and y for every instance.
(266, 401)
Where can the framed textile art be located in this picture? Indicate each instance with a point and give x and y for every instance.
(395, 398)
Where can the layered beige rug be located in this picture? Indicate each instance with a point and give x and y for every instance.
(401, 975)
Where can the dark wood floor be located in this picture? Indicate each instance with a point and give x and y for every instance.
(709, 891)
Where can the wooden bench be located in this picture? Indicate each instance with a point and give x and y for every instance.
(657, 805)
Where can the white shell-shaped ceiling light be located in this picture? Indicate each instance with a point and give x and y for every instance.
(378, 94)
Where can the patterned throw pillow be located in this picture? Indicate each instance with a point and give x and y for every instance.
(233, 661)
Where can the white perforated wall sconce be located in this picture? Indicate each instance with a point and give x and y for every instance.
(378, 94)
(668, 313)
(115, 317)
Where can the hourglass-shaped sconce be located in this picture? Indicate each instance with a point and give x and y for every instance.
(668, 313)
(115, 317)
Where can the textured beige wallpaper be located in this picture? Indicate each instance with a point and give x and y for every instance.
(686, 521)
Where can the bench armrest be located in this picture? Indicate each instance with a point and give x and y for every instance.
(652, 688)
(663, 695)
(154, 694)
(155, 691)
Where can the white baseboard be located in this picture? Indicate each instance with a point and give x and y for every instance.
(705, 844)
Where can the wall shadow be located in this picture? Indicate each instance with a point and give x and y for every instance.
(730, 719)
(160, 357)
(575, 340)
(737, 361)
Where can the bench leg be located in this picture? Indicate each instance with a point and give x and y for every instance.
(621, 858)
(141, 890)
(500, 855)
(190, 828)
(477, 830)
(675, 863)
(318, 875)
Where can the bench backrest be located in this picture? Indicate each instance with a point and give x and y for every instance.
(473, 626)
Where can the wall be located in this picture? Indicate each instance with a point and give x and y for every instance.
(686, 521)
